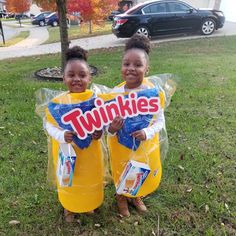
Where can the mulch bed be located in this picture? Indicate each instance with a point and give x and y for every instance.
(55, 73)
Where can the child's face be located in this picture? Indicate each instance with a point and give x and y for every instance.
(76, 76)
(134, 67)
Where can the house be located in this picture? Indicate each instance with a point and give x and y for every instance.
(2, 5)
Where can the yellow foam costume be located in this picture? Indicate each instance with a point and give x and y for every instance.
(148, 152)
(86, 192)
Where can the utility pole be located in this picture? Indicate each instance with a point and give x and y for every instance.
(1, 32)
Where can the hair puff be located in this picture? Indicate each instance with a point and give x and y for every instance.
(76, 52)
(138, 41)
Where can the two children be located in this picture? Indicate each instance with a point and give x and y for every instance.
(80, 197)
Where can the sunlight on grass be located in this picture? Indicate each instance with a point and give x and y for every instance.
(76, 31)
(21, 36)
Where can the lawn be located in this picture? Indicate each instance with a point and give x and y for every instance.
(79, 31)
(196, 195)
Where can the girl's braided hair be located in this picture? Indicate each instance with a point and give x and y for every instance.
(138, 41)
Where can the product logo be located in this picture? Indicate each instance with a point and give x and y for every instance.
(104, 113)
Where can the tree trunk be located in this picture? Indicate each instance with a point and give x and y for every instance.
(61, 7)
(90, 27)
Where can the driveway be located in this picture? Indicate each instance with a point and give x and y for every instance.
(30, 46)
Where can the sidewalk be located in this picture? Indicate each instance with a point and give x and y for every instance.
(38, 35)
(30, 47)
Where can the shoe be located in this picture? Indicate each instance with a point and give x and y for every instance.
(122, 205)
(138, 204)
(69, 216)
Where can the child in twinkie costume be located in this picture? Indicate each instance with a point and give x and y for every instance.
(86, 192)
(136, 138)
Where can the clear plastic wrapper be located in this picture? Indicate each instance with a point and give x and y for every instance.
(85, 168)
(86, 192)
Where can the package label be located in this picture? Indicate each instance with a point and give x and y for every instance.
(66, 165)
(132, 178)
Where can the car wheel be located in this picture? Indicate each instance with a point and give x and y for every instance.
(54, 23)
(41, 23)
(208, 26)
(143, 31)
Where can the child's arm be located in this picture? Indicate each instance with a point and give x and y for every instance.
(149, 132)
(62, 136)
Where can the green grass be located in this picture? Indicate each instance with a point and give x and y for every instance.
(197, 192)
(21, 36)
(76, 31)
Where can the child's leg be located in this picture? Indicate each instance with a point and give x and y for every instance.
(138, 204)
(122, 205)
(69, 216)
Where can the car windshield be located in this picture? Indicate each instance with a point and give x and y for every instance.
(38, 15)
(51, 14)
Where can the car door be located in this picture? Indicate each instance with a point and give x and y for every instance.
(158, 19)
(185, 18)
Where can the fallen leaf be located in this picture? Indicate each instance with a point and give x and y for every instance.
(189, 190)
(14, 222)
(226, 206)
(181, 167)
(135, 223)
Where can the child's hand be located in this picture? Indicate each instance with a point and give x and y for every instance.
(116, 125)
(139, 134)
(68, 136)
(97, 134)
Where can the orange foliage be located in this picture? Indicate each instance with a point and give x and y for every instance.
(92, 10)
(47, 5)
(18, 6)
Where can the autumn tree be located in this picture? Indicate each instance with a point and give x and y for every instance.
(92, 11)
(47, 5)
(18, 6)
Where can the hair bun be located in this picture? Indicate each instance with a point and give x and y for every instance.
(76, 52)
(138, 41)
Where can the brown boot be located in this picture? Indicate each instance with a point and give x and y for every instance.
(139, 205)
(69, 216)
(122, 205)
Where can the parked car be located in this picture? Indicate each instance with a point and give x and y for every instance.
(52, 19)
(166, 17)
(39, 19)
(3, 14)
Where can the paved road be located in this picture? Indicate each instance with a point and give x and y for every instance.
(30, 47)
